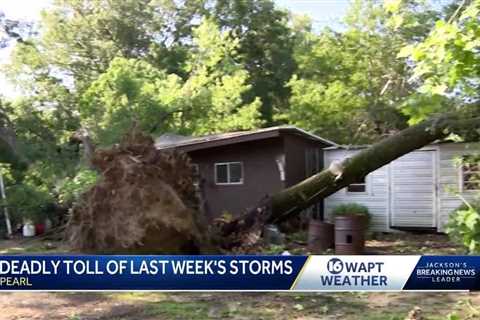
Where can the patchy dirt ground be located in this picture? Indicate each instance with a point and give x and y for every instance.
(386, 243)
(130, 306)
(413, 243)
(349, 306)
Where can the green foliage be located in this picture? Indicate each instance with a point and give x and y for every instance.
(6, 172)
(216, 85)
(71, 189)
(348, 209)
(129, 90)
(25, 199)
(349, 84)
(6, 152)
(420, 106)
(273, 249)
(466, 309)
(446, 63)
(81, 38)
(452, 316)
(266, 45)
(209, 100)
(464, 225)
(8, 147)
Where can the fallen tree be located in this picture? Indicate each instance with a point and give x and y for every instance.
(281, 206)
(145, 201)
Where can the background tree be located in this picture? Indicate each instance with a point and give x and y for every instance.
(80, 39)
(266, 45)
(8, 148)
(349, 84)
(208, 101)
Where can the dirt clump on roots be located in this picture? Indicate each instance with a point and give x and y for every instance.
(144, 202)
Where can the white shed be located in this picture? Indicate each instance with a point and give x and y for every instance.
(418, 190)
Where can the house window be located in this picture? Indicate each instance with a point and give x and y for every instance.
(229, 173)
(360, 186)
(471, 173)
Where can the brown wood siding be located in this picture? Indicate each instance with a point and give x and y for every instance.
(260, 174)
(295, 147)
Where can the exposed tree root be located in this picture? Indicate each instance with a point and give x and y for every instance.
(144, 202)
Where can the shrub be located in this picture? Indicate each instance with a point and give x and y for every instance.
(72, 188)
(351, 209)
(28, 202)
(25, 198)
(464, 225)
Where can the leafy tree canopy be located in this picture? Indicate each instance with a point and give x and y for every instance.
(446, 63)
(80, 38)
(350, 83)
(209, 100)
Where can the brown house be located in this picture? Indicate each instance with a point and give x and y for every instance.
(238, 169)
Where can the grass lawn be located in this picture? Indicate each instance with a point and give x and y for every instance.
(139, 305)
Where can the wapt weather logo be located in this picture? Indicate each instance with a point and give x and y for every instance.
(354, 273)
(362, 273)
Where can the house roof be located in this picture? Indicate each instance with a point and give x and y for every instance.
(168, 141)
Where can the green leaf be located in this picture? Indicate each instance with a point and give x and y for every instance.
(392, 6)
(471, 219)
(406, 51)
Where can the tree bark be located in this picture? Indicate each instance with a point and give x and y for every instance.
(83, 136)
(289, 202)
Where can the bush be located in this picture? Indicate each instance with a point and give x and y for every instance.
(351, 209)
(28, 202)
(464, 225)
(72, 188)
(25, 199)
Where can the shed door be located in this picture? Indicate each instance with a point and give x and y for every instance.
(413, 190)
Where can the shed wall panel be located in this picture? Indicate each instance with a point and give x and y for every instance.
(447, 183)
(375, 197)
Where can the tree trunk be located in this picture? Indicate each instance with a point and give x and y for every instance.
(289, 202)
(83, 136)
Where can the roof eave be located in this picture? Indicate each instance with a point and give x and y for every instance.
(194, 146)
(272, 132)
(311, 136)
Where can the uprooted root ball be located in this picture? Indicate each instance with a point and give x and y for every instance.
(144, 202)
